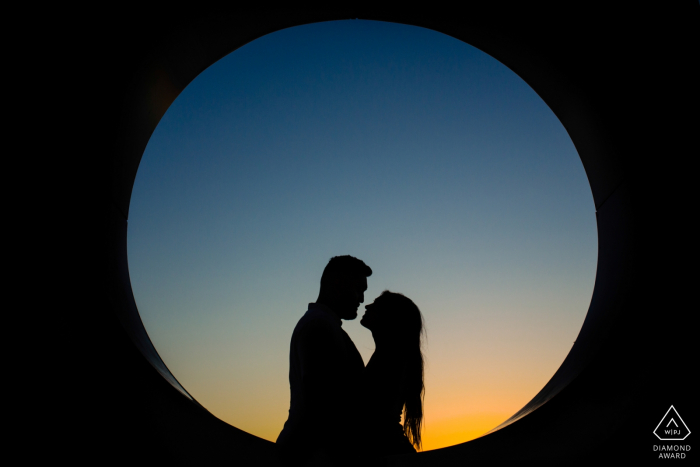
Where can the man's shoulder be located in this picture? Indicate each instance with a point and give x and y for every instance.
(313, 320)
(317, 324)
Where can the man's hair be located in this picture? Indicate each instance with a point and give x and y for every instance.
(344, 267)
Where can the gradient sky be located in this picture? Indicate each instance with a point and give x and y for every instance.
(418, 153)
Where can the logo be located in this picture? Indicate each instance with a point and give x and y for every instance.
(671, 427)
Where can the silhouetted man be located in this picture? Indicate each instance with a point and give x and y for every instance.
(325, 368)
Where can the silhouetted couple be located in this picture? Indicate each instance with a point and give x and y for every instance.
(340, 410)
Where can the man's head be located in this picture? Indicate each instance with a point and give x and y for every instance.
(343, 285)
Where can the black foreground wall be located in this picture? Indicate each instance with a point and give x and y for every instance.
(623, 83)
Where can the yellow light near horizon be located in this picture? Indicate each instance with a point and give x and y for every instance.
(460, 429)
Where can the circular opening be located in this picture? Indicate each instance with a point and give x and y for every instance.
(421, 155)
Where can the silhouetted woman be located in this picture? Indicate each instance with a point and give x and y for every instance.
(393, 378)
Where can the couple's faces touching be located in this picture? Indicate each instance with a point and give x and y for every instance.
(351, 293)
(379, 317)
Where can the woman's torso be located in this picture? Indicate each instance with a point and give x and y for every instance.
(384, 394)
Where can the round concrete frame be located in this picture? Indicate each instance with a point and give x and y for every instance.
(591, 385)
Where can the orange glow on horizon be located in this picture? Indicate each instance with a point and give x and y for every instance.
(456, 430)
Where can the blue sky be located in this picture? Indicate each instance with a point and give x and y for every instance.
(416, 152)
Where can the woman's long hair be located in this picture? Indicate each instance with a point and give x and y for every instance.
(412, 327)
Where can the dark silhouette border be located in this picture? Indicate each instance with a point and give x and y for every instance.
(618, 80)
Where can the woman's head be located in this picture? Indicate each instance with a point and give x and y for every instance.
(393, 314)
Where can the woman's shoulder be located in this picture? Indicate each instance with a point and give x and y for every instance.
(389, 358)
(386, 367)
